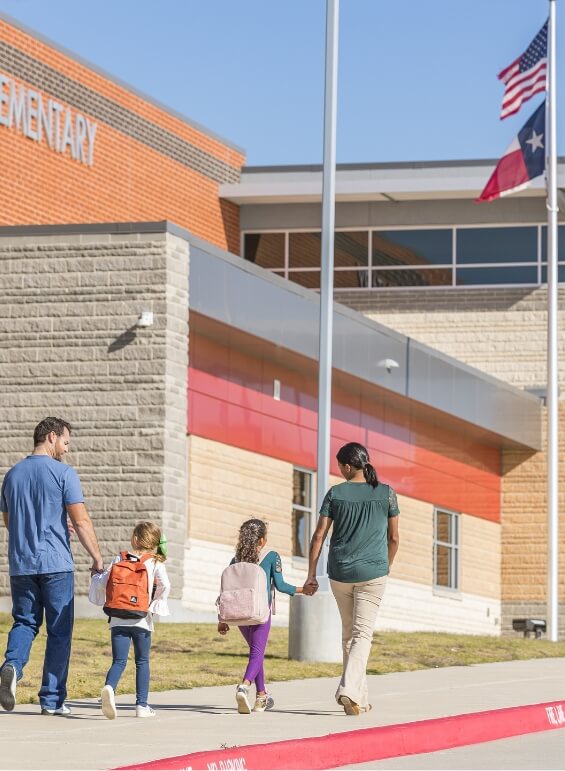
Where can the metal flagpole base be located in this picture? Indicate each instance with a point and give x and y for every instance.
(314, 628)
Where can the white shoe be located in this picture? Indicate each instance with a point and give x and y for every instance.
(264, 703)
(144, 711)
(108, 701)
(62, 710)
(242, 698)
(8, 682)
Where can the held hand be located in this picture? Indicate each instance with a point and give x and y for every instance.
(223, 628)
(97, 566)
(310, 585)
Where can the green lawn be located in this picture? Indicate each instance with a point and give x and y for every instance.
(190, 655)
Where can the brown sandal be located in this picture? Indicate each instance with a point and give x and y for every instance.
(352, 708)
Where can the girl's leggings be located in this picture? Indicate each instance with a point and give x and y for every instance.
(256, 637)
(121, 639)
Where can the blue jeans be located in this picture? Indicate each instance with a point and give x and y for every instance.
(32, 596)
(121, 638)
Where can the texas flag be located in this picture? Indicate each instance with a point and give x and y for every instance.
(523, 161)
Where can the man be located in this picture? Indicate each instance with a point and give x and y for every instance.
(40, 494)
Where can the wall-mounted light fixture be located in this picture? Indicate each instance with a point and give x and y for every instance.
(145, 319)
(388, 364)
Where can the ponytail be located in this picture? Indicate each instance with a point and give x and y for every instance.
(370, 475)
(356, 456)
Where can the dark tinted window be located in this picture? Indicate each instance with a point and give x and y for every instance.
(560, 244)
(411, 277)
(484, 245)
(412, 247)
(510, 275)
(264, 249)
(351, 249)
(304, 250)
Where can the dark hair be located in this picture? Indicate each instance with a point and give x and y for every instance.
(58, 425)
(250, 533)
(355, 455)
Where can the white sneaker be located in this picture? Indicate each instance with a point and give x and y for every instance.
(144, 711)
(62, 710)
(242, 698)
(108, 701)
(8, 682)
(264, 703)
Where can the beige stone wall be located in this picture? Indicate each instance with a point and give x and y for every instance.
(480, 556)
(414, 560)
(69, 347)
(228, 485)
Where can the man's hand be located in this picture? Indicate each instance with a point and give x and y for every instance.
(97, 567)
(310, 585)
(223, 628)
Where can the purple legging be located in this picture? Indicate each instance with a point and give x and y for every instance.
(256, 637)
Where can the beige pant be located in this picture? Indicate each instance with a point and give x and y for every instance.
(358, 605)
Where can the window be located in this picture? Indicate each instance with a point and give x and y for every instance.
(265, 249)
(301, 511)
(373, 259)
(446, 549)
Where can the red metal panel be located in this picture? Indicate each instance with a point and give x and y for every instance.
(246, 418)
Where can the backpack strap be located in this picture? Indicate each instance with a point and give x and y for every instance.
(145, 557)
(123, 555)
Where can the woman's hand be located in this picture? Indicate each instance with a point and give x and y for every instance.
(310, 585)
(223, 628)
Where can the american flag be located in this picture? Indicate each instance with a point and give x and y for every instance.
(526, 75)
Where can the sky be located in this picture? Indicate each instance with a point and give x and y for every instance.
(417, 78)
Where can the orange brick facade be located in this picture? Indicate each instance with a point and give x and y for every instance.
(149, 165)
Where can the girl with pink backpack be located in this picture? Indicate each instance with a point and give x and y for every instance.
(246, 600)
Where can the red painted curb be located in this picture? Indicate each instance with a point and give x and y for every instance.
(321, 752)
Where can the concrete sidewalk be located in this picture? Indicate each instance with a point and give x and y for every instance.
(207, 719)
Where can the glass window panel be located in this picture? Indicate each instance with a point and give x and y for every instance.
(443, 526)
(301, 487)
(300, 535)
(264, 249)
(412, 247)
(560, 243)
(510, 275)
(304, 250)
(346, 279)
(443, 577)
(486, 245)
(560, 274)
(412, 277)
(351, 249)
(309, 279)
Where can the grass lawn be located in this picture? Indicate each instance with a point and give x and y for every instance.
(191, 655)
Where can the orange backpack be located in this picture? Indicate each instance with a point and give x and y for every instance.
(127, 591)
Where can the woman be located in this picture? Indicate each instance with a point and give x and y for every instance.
(364, 542)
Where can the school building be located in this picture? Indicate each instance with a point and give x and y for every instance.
(162, 297)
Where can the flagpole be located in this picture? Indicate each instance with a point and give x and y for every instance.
(327, 271)
(552, 343)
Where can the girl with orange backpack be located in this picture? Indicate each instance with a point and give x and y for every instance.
(242, 603)
(132, 590)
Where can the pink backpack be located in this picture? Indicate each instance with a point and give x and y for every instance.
(243, 599)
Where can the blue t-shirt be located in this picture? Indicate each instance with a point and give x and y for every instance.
(35, 493)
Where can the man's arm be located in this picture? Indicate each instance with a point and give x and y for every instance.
(316, 544)
(85, 531)
(5, 518)
(393, 539)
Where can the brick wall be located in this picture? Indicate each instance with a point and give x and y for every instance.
(149, 164)
(69, 347)
(502, 332)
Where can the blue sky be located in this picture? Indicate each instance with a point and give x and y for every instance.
(417, 78)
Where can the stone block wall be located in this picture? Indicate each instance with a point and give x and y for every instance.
(69, 347)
